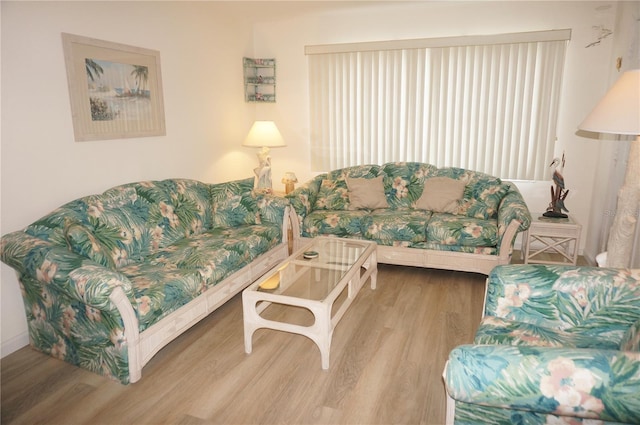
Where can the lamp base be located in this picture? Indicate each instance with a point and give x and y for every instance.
(263, 171)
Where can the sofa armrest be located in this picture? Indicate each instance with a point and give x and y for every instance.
(585, 383)
(76, 276)
(595, 299)
(304, 197)
(512, 207)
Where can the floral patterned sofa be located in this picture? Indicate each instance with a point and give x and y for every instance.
(557, 345)
(473, 232)
(110, 279)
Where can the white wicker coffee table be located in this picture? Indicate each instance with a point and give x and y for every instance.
(313, 282)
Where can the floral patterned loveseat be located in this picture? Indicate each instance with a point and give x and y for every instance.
(557, 345)
(474, 233)
(110, 279)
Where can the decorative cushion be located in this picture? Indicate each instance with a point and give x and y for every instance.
(333, 195)
(441, 194)
(366, 193)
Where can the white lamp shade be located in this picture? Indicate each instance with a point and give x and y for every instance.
(264, 134)
(618, 112)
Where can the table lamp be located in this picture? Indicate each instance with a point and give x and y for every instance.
(265, 135)
(619, 113)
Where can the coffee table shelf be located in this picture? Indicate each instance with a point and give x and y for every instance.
(313, 284)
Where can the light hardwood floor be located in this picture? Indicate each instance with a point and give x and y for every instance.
(387, 358)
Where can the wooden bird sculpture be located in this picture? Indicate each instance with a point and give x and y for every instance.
(559, 193)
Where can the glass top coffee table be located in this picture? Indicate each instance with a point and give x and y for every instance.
(323, 277)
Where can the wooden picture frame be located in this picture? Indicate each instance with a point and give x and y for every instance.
(115, 90)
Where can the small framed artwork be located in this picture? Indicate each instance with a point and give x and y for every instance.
(115, 89)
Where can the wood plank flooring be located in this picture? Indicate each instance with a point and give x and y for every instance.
(387, 358)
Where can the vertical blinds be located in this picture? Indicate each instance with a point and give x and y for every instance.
(486, 103)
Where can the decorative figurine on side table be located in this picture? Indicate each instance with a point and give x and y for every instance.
(556, 206)
(289, 181)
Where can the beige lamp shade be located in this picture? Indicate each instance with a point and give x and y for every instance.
(264, 134)
(619, 110)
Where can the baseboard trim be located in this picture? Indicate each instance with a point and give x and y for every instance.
(14, 344)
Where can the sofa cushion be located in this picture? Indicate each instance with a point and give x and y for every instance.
(233, 203)
(495, 330)
(194, 196)
(389, 225)
(366, 193)
(84, 242)
(119, 220)
(358, 171)
(482, 199)
(176, 274)
(482, 194)
(234, 210)
(441, 194)
(631, 338)
(171, 209)
(332, 195)
(404, 182)
(448, 229)
(336, 223)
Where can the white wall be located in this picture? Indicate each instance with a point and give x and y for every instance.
(586, 72)
(201, 47)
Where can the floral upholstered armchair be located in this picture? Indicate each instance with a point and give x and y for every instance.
(557, 345)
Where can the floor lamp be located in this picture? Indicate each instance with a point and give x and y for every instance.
(619, 113)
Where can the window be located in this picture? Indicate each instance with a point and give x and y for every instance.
(487, 103)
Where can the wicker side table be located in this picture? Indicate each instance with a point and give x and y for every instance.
(552, 236)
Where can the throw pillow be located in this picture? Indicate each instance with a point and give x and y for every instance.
(332, 195)
(366, 193)
(441, 194)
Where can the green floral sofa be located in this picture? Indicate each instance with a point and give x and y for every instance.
(557, 345)
(475, 233)
(110, 279)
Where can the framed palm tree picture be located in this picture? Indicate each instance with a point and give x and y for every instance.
(115, 90)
